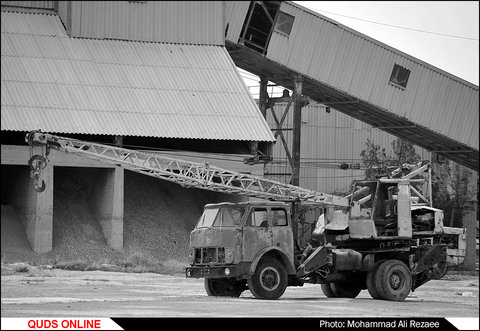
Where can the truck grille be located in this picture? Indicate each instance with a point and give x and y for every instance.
(209, 255)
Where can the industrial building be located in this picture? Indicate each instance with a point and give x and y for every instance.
(162, 75)
(65, 70)
(294, 47)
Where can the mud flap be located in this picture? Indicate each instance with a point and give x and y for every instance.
(320, 257)
(424, 269)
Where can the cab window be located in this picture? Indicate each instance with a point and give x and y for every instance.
(229, 217)
(208, 217)
(258, 217)
(217, 217)
(279, 217)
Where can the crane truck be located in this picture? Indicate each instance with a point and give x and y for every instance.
(384, 236)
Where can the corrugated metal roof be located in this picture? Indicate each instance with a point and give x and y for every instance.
(67, 85)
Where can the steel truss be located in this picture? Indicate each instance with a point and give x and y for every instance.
(185, 173)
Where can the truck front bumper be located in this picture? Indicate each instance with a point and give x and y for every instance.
(212, 271)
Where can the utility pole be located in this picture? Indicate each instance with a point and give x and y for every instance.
(297, 126)
(263, 96)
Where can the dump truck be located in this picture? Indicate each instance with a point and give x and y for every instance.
(384, 236)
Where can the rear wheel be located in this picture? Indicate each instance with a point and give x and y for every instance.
(393, 280)
(371, 285)
(224, 287)
(327, 290)
(269, 280)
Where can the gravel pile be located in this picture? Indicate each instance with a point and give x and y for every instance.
(14, 244)
(158, 218)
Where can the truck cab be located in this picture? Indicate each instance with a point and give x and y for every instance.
(231, 239)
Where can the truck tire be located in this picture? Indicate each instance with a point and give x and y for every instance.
(327, 290)
(346, 289)
(393, 280)
(269, 280)
(223, 287)
(371, 285)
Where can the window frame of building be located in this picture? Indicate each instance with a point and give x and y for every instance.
(284, 20)
(399, 76)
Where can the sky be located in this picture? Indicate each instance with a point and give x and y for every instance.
(444, 34)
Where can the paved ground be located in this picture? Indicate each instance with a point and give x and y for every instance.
(60, 293)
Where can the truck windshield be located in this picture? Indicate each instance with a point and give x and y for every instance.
(221, 217)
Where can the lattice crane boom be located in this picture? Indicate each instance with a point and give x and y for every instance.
(185, 173)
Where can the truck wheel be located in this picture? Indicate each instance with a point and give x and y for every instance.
(346, 289)
(393, 280)
(371, 285)
(327, 290)
(223, 287)
(269, 280)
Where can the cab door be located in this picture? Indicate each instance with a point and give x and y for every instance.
(282, 234)
(257, 233)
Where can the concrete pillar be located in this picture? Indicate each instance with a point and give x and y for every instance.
(35, 209)
(106, 203)
(469, 223)
(42, 237)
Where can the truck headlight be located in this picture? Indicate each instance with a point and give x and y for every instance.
(191, 255)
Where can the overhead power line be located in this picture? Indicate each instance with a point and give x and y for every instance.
(397, 26)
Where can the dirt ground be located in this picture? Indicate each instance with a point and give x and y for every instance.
(38, 292)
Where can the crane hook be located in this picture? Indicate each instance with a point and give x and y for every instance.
(37, 163)
(40, 189)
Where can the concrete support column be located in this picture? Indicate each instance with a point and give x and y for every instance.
(42, 237)
(35, 209)
(469, 223)
(106, 203)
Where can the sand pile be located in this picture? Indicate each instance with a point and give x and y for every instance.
(158, 218)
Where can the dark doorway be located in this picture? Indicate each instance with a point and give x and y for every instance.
(258, 26)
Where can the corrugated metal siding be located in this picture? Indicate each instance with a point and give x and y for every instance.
(191, 22)
(361, 66)
(235, 15)
(30, 4)
(327, 139)
(61, 84)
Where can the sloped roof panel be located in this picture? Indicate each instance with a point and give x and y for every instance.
(67, 85)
